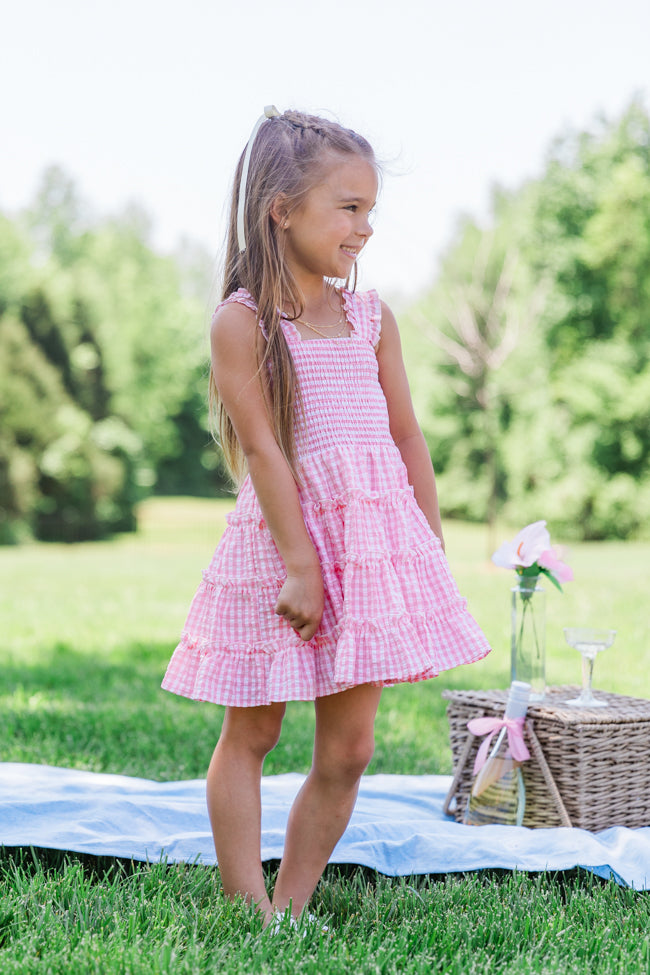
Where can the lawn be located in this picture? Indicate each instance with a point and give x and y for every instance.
(87, 632)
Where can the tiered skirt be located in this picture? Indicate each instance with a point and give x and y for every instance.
(392, 610)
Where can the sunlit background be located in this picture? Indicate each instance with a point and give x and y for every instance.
(153, 100)
(510, 236)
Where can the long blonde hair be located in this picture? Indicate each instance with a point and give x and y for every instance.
(289, 157)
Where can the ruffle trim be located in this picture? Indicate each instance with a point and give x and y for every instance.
(346, 501)
(351, 301)
(398, 498)
(358, 652)
(419, 559)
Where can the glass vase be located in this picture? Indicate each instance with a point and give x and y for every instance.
(528, 641)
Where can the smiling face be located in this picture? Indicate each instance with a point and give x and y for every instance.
(324, 236)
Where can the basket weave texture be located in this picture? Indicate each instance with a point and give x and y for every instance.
(598, 758)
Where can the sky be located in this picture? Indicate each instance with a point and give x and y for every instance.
(152, 101)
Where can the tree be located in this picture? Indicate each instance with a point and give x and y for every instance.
(103, 363)
(483, 324)
(566, 410)
(58, 218)
(64, 474)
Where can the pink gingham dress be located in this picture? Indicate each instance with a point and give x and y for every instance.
(392, 610)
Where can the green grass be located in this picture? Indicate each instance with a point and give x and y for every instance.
(66, 919)
(87, 632)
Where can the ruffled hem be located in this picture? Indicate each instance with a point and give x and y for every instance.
(392, 610)
(357, 652)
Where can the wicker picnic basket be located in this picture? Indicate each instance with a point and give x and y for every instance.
(589, 767)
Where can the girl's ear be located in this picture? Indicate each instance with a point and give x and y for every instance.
(279, 212)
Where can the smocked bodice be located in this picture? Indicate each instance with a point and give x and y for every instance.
(342, 402)
(342, 405)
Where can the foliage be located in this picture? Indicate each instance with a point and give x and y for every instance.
(529, 356)
(102, 364)
(559, 427)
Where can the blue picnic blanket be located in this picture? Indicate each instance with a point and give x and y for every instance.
(398, 826)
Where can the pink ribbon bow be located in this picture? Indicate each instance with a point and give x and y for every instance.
(489, 727)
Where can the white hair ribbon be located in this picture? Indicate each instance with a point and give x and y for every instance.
(270, 111)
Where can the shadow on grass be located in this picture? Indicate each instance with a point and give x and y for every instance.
(343, 877)
(104, 715)
(108, 714)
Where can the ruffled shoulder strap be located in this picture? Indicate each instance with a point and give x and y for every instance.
(241, 297)
(363, 309)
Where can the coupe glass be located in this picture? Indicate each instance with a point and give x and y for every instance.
(588, 642)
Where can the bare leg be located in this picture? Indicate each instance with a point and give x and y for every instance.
(343, 747)
(233, 794)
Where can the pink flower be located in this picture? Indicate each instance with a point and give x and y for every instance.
(561, 571)
(531, 549)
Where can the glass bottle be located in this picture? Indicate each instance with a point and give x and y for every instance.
(497, 794)
(528, 641)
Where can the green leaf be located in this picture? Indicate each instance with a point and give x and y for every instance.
(549, 575)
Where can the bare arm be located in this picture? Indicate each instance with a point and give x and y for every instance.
(404, 426)
(234, 336)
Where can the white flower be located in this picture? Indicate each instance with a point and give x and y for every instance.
(525, 548)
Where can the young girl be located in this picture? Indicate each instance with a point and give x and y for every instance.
(330, 581)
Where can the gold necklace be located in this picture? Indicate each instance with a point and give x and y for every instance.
(312, 325)
(342, 323)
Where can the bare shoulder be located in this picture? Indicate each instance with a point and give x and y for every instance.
(389, 340)
(387, 316)
(233, 326)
